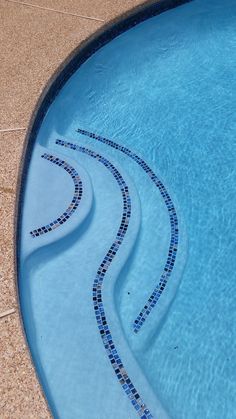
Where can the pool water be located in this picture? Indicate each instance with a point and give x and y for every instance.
(164, 89)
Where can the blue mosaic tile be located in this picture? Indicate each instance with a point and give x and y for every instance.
(99, 310)
(75, 200)
(173, 246)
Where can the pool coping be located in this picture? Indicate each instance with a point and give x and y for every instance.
(61, 75)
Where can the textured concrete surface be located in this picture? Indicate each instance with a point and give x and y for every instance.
(11, 145)
(21, 395)
(103, 9)
(7, 291)
(34, 41)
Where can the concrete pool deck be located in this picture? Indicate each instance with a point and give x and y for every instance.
(36, 36)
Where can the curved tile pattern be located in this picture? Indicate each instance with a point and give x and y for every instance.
(103, 327)
(173, 246)
(78, 192)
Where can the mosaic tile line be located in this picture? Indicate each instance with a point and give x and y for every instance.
(114, 358)
(174, 237)
(78, 192)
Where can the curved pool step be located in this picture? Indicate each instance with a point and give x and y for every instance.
(109, 345)
(78, 192)
(50, 191)
(173, 246)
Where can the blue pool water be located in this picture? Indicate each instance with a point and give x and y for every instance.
(165, 90)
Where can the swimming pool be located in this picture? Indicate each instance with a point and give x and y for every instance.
(131, 210)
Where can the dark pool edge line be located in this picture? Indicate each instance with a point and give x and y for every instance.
(74, 60)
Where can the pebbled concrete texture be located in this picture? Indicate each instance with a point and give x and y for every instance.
(7, 290)
(34, 41)
(21, 395)
(103, 9)
(11, 145)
